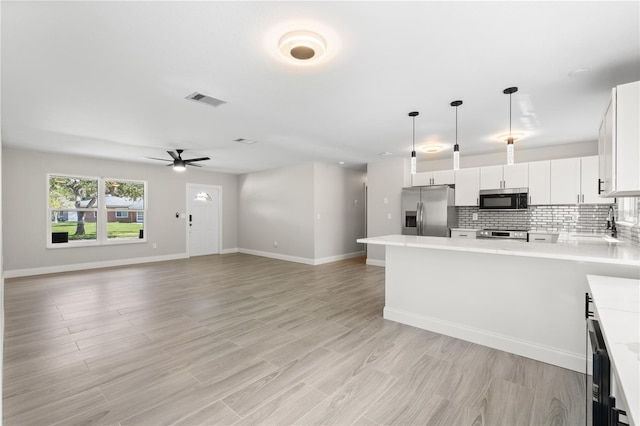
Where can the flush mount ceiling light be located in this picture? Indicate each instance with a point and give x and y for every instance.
(432, 149)
(516, 136)
(414, 160)
(510, 155)
(456, 148)
(302, 47)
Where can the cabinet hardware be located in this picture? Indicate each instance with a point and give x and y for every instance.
(583, 198)
(599, 186)
(587, 313)
(529, 199)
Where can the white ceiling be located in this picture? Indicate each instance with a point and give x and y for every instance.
(109, 79)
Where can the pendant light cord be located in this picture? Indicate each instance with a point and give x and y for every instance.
(456, 125)
(510, 115)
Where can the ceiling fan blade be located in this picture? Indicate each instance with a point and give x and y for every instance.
(191, 160)
(173, 155)
(170, 165)
(161, 159)
(193, 165)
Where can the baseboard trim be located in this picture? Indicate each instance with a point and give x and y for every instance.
(17, 273)
(375, 262)
(229, 250)
(278, 256)
(571, 361)
(304, 260)
(330, 259)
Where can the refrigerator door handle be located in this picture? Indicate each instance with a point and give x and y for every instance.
(420, 230)
(418, 218)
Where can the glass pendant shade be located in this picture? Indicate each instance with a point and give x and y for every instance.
(413, 162)
(510, 153)
(456, 157)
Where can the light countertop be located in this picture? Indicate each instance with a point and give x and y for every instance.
(617, 306)
(587, 249)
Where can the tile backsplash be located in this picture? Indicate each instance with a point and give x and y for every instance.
(583, 218)
(587, 218)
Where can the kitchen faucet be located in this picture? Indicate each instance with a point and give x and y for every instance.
(611, 222)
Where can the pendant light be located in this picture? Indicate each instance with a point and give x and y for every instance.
(414, 160)
(456, 148)
(510, 155)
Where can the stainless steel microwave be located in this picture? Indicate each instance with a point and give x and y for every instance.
(504, 199)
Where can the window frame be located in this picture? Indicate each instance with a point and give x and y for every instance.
(100, 214)
(105, 222)
(629, 220)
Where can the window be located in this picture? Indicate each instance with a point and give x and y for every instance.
(94, 211)
(72, 200)
(628, 210)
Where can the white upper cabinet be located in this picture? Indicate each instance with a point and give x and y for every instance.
(498, 177)
(516, 176)
(565, 181)
(491, 177)
(467, 187)
(619, 143)
(574, 181)
(539, 182)
(441, 177)
(589, 182)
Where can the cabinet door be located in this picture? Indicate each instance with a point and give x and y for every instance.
(605, 140)
(516, 176)
(589, 182)
(491, 177)
(626, 140)
(467, 187)
(565, 181)
(421, 179)
(539, 182)
(443, 177)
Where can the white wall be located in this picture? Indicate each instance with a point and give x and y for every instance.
(25, 199)
(582, 149)
(314, 211)
(277, 205)
(1, 265)
(339, 210)
(385, 180)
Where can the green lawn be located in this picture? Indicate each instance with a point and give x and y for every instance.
(114, 230)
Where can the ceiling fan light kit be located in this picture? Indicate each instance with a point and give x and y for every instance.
(178, 163)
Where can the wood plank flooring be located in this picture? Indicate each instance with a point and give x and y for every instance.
(239, 339)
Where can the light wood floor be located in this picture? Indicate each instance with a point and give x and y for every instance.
(239, 339)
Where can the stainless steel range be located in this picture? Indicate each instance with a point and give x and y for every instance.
(511, 234)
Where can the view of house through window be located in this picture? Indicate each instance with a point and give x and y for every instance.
(124, 200)
(95, 210)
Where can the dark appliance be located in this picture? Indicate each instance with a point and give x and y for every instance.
(601, 406)
(511, 234)
(504, 199)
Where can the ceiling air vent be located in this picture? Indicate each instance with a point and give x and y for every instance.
(199, 97)
(245, 141)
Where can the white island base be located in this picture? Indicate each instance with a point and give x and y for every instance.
(523, 304)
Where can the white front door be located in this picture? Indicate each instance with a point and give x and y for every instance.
(203, 219)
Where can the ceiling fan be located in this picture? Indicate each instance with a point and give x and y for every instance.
(178, 163)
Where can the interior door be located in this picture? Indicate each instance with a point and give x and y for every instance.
(203, 219)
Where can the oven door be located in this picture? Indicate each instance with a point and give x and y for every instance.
(598, 386)
(498, 201)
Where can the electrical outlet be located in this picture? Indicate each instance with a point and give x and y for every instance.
(155, 245)
(475, 216)
(275, 244)
(389, 216)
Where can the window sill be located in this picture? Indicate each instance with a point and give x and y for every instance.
(73, 244)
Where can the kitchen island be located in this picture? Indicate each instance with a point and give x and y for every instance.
(523, 298)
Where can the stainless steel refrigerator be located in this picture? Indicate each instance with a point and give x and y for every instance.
(428, 210)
